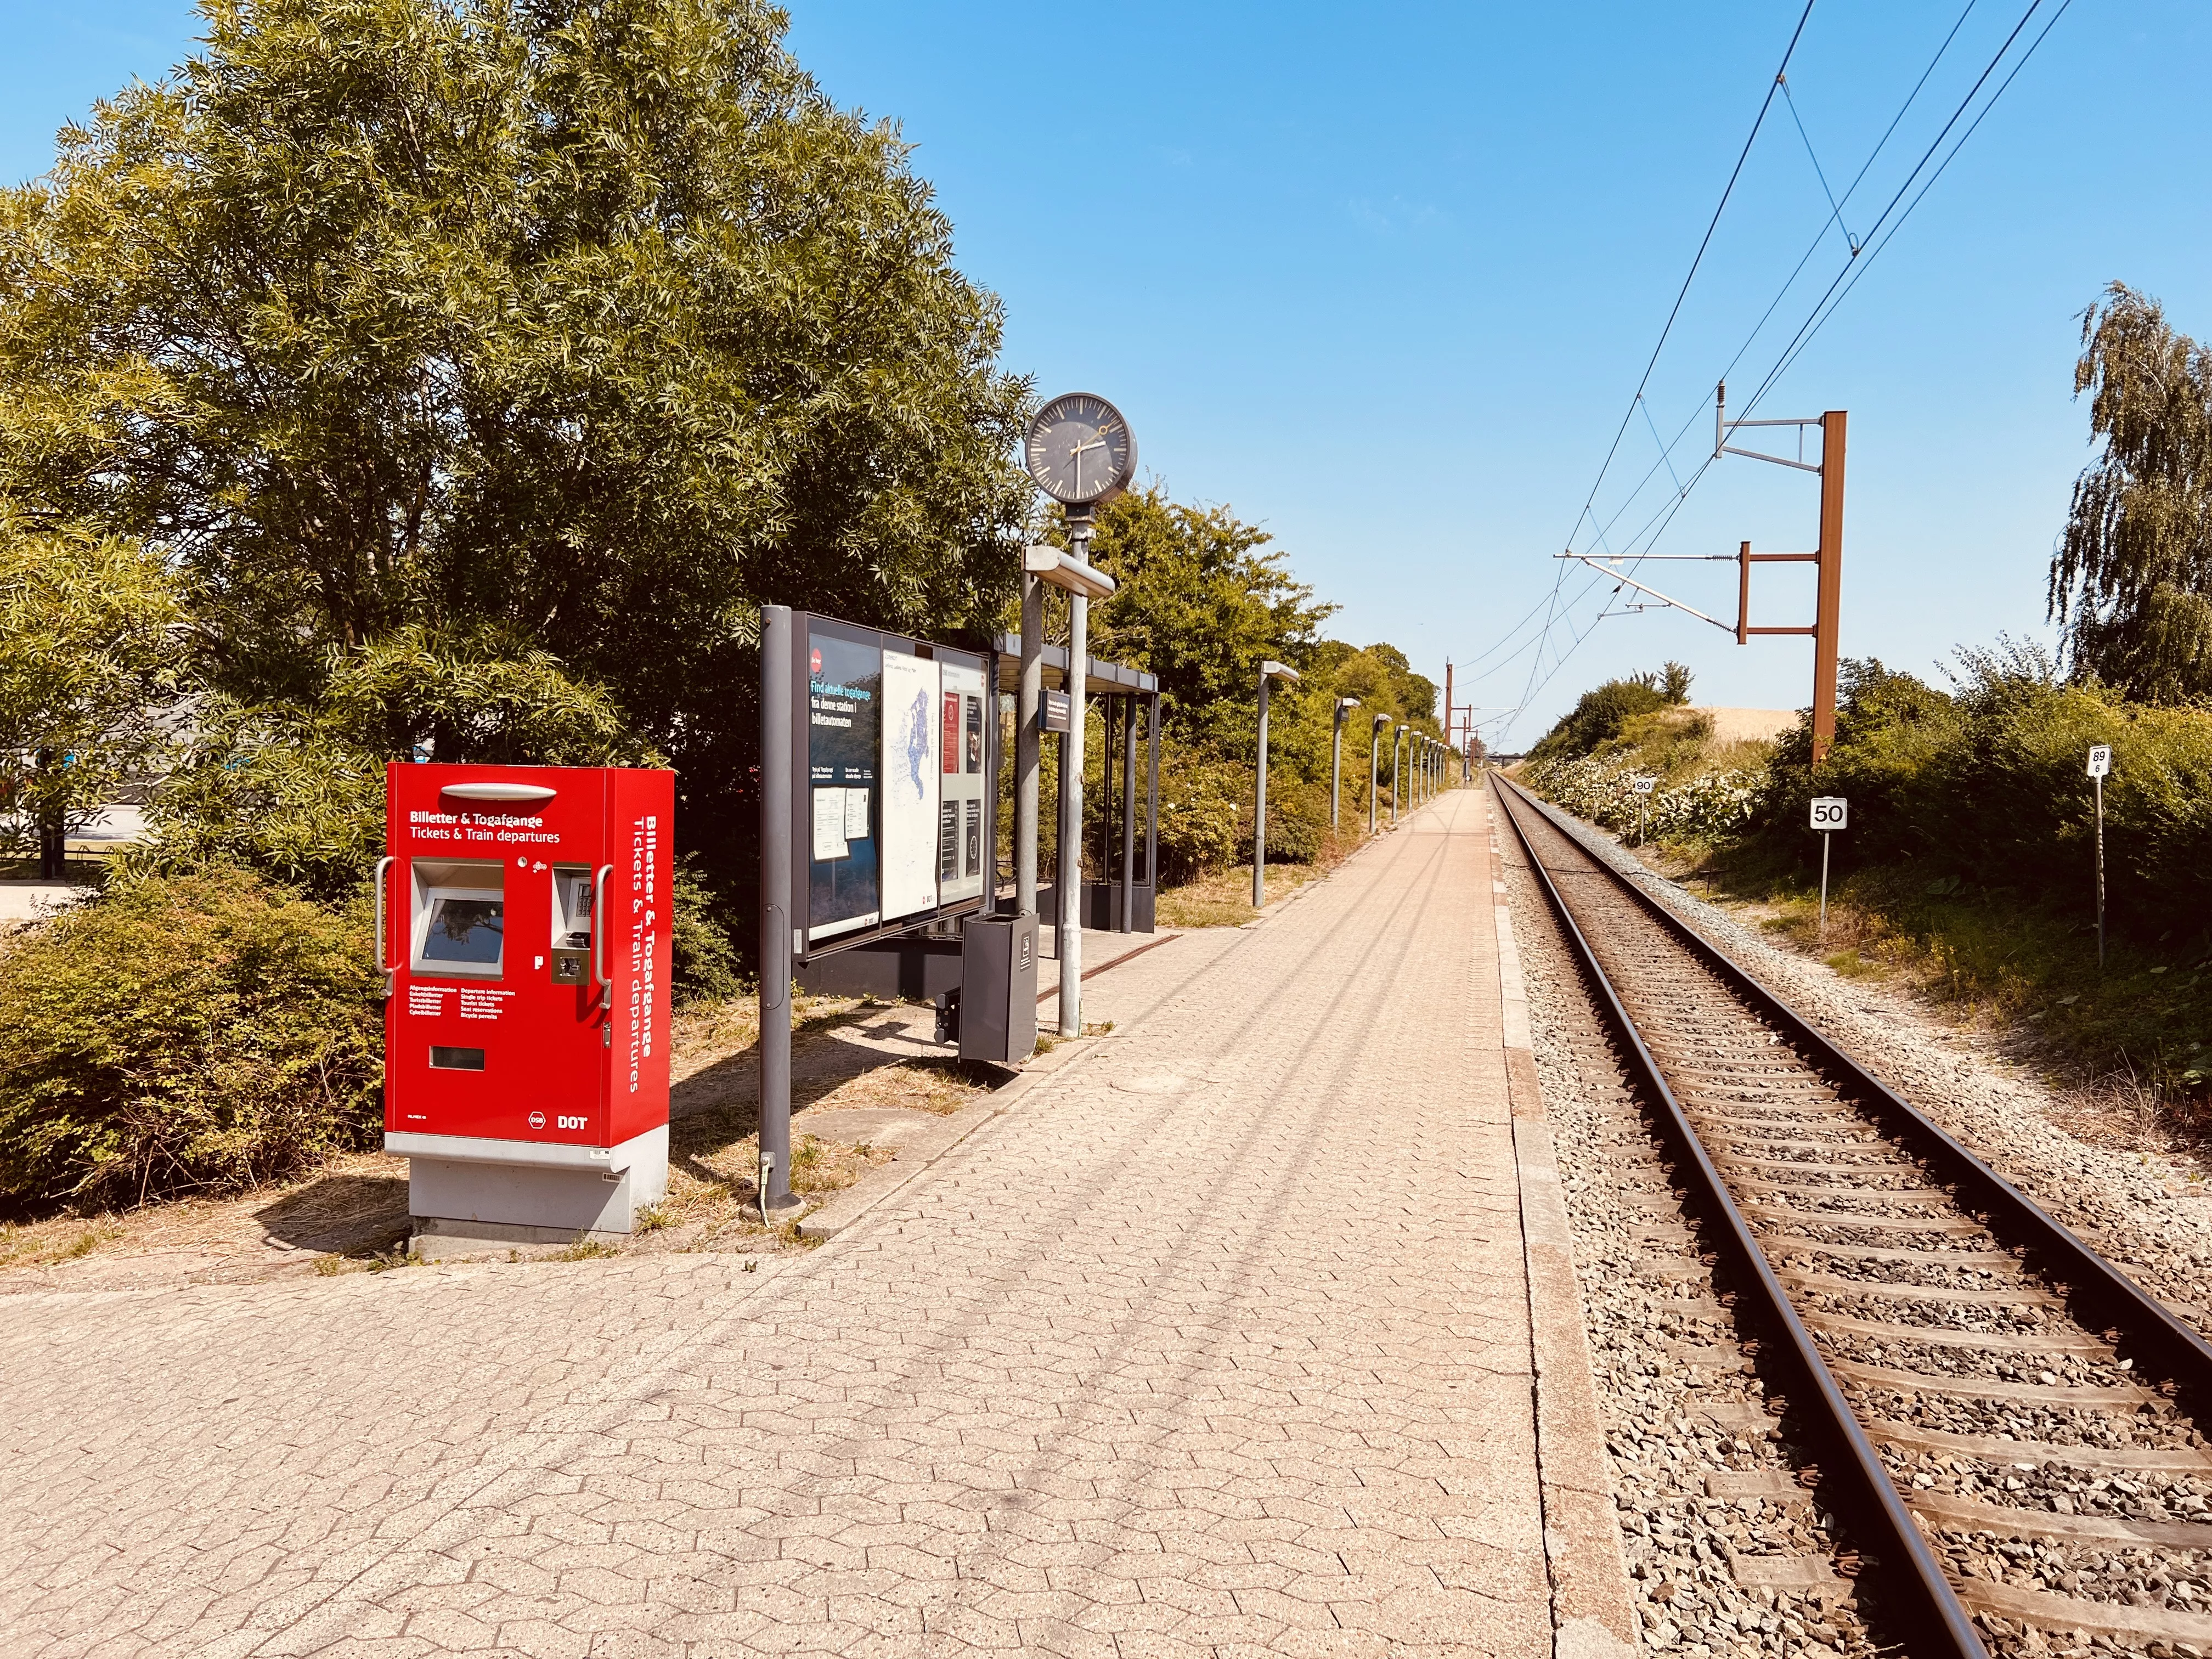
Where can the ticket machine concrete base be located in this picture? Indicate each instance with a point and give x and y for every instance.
(466, 1192)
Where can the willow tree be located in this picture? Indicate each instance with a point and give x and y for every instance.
(588, 324)
(2131, 581)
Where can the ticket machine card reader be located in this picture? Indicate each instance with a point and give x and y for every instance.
(572, 924)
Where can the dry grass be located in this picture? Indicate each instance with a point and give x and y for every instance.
(707, 1032)
(1223, 898)
(713, 1193)
(60, 1238)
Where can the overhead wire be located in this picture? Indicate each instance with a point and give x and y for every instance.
(1823, 308)
(1704, 242)
(1675, 311)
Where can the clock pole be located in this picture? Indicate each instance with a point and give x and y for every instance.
(1070, 881)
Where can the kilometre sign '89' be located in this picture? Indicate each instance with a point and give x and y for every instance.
(1831, 812)
(2100, 760)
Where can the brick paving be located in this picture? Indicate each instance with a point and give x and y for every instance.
(1216, 1344)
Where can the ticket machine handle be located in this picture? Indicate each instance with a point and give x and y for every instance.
(599, 935)
(383, 963)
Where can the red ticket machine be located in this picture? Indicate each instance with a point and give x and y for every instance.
(523, 925)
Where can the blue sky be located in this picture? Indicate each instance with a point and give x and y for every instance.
(1384, 278)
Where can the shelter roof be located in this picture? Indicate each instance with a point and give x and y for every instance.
(1101, 679)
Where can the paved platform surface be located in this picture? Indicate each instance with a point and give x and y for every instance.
(1217, 1344)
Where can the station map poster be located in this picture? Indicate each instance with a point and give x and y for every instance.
(912, 743)
(963, 788)
(844, 748)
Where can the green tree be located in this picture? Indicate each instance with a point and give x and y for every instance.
(300, 793)
(591, 323)
(1202, 598)
(2131, 580)
(88, 627)
(1201, 602)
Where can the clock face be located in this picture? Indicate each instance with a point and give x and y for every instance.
(1080, 450)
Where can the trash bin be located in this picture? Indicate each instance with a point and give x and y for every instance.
(999, 989)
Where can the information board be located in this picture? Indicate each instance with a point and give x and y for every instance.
(844, 755)
(900, 751)
(963, 786)
(912, 735)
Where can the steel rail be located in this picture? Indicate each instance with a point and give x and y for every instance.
(2098, 1294)
(1923, 1607)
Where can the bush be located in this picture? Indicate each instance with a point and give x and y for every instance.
(1710, 805)
(705, 968)
(1202, 824)
(1599, 716)
(1988, 787)
(198, 1031)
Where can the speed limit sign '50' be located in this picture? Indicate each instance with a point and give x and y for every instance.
(1831, 812)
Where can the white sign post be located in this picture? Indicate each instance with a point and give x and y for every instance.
(2101, 765)
(1643, 786)
(1830, 814)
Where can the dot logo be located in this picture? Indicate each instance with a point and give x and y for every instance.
(538, 1120)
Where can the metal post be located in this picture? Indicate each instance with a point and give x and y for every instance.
(1397, 771)
(1153, 794)
(1743, 594)
(1071, 775)
(2101, 874)
(1829, 602)
(1374, 767)
(1126, 923)
(1336, 765)
(1260, 809)
(1826, 837)
(1028, 697)
(776, 909)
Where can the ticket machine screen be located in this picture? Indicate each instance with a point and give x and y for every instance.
(460, 920)
(464, 928)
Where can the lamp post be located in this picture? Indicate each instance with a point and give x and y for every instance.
(1397, 769)
(1043, 567)
(1067, 935)
(1269, 671)
(1344, 706)
(1375, 765)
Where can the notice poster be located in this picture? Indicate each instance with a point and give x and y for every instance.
(830, 825)
(844, 726)
(906, 845)
(961, 851)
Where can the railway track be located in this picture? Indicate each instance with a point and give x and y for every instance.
(2007, 1424)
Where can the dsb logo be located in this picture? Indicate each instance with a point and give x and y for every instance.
(566, 1123)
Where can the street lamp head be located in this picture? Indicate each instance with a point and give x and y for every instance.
(1281, 670)
(1381, 721)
